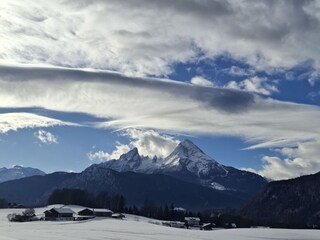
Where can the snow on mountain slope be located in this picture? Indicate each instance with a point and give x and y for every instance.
(132, 161)
(189, 163)
(189, 156)
(17, 172)
(185, 155)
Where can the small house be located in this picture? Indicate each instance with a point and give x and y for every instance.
(59, 214)
(101, 212)
(86, 212)
(192, 221)
(97, 212)
(118, 216)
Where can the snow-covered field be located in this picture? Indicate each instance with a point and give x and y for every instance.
(133, 228)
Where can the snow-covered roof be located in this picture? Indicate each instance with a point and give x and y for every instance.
(63, 210)
(102, 210)
(180, 209)
(192, 219)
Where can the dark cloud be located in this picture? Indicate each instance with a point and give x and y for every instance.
(226, 100)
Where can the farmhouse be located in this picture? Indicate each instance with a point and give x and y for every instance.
(102, 212)
(98, 212)
(86, 212)
(59, 214)
(192, 221)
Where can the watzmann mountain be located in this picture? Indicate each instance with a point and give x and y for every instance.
(189, 163)
(187, 177)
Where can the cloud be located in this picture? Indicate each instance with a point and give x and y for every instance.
(144, 37)
(295, 161)
(237, 71)
(46, 137)
(149, 143)
(104, 156)
(100, 155)
(180, 107)
(200, 81)
(254, 84)
(15, 121)
(160, 104)
(314, 95)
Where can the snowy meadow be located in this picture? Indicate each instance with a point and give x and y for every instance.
(132, 228)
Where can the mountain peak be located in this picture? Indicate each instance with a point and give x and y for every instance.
(187, 153)
(187, 148)
(17, 167)
(188, 163)
(189, 145)
(133, 154)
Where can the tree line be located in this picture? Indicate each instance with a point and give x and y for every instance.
(67, 196)
(117, 203)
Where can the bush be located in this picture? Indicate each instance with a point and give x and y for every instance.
(29, 212)
(26, 216)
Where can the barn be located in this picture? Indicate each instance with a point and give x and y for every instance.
(86, 212)
(59, 214)
(192, 221)
(98, 212)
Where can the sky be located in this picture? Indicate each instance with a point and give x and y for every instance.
(85, 81)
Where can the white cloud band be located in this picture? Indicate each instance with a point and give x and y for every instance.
(165, 105)
(119, 34)
(15, 121)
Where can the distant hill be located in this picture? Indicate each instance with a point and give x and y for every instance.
(135, 187)
(17, 172)
(294, 202)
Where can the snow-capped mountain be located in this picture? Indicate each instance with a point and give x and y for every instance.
(189, 163)
(187, 177)
(17, 172)
(188, 157)
(133, 162)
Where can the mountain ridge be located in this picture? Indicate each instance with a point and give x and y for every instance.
(135, 187)
(187, 177)
(189, 163)
(17, 172)
(295, 202)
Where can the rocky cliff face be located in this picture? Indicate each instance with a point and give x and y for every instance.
(189, 163)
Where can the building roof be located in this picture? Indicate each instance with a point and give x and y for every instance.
(192, 219)
(86, 209)
(208, 225)
(102, 210)
(97, 210)
(62, 210)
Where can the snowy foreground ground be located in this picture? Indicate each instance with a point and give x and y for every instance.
(137, 228)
